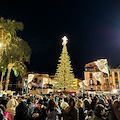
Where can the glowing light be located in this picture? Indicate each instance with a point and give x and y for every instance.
(64, 40)
(114, 90)
(30, 77)
(102, 64)
(0, 44)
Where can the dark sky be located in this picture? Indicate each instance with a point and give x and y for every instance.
(92, 27)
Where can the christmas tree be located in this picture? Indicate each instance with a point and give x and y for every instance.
(64, 77)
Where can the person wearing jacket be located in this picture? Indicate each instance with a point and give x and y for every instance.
(115, 111)
(64, 106)
(6, 114)
(79, 105)
(71, 113)
(39, 112)
(11, 106)
(52, 110)
(99, 112)
(22, 112)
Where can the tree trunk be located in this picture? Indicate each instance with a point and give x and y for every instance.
(8, 76)
(1, 87)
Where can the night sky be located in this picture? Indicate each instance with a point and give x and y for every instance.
(92, 27)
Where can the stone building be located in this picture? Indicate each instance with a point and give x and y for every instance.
(94, 84)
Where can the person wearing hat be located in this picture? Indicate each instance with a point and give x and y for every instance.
(39, 112)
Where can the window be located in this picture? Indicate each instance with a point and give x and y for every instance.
(91, 76)
(116, 80)
(115, 73)
(98, 82)
(98, 88)
(107, 81)
(91, 82)
(117, 86)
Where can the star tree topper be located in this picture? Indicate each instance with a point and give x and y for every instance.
(64, 40)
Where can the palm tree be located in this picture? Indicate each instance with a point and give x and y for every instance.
(17, 53)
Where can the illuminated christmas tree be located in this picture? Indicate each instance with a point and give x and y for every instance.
(64, 77)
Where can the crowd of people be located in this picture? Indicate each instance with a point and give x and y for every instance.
(60, 106)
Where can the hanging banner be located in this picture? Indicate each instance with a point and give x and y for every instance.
(98, 76)
(80, 84)
(102, 65)
(30, 77)
(45, 80)
(85, 82)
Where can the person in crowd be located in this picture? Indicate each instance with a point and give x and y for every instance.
(39, 112)
(79, 105)
(6, 114)
(53, 97)
(115, 111)
(48, 97)
(52, 110)
(71, 112)
(11, 106)
(62, 98)
(1, 115)
(9, 97)
(101, 101)
(4, 100)
(30, 106)
(93, 103)
(22, 112)
(89, 115)
(99, 112)
(86, 104)
(109, 100)
(64, 105)
(35, 102)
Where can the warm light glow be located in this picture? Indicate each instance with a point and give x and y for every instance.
(0, 44)
(64, 40)
(30, 77)
(114, 90)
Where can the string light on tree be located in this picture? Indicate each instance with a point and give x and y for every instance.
(64, 75)
(64, 40)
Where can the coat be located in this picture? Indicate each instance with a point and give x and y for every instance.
(54, 114)
(11, 106)
(22, 112)
(97, 118)
(70, 113)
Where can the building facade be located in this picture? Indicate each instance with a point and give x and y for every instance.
(105, 83)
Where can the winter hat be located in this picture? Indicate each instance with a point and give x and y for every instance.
(64, 105)
(12, 103)
(40, 102)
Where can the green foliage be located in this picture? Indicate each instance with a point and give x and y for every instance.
(14, 51)
(11, 26)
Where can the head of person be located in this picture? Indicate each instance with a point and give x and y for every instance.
(79, 103)
(64, 105)
(4, 96)
(99, 110)
(2, 107)
(116, 108)
(40, 104)
(20, 100)
(34, 101)
(61, 95)
(51, 104)
(28, 100)
(71, 102)
(53, 95)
